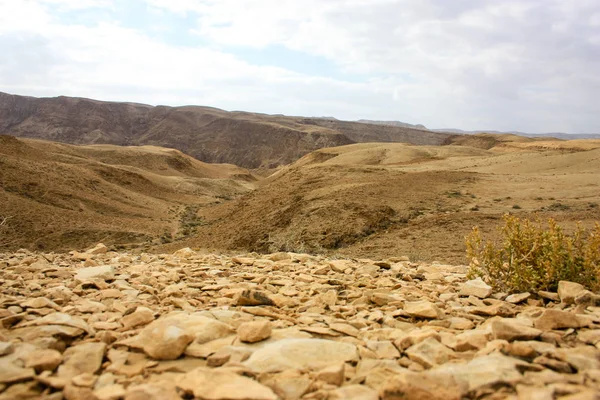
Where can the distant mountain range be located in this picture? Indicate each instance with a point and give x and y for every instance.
(249, 140)
(557, 135)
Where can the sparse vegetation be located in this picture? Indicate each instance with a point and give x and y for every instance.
(531, 258)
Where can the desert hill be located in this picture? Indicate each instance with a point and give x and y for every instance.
(208, 134)
(62, 196)
(381, 199)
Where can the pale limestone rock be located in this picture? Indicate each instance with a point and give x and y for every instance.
(6, 348)
(423, 309)
(213, 384)
(290, 384)
(476, 287)
(61, 319)
(141, 316)
(103, 272)
(471, 340)
(582, 358)
(517, 297)
(591, 337)
(300, 354)
(100, 248)
(512, 329)
(430, 353)
(163, 390)
(110, 392)
(384, 349)
(557, 319)
(353, 392)
(422, 386)
(255, 331)
(568, 291)
(82, 358)
(333, 374)
(167, 337)
(43, 360)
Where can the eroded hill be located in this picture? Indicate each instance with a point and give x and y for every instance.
(208, 134)
(396, 199)
(58, 196)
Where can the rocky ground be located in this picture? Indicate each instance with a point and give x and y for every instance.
(104, 325)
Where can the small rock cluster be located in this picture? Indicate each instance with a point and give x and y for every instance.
(103, 325)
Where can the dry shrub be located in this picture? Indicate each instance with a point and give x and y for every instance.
(532, 258)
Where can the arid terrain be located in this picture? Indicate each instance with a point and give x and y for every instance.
(103, 325)
(324, 261)
(57, 196)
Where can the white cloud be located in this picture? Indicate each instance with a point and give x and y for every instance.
(526, 65)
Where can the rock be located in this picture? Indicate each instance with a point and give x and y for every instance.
(581, 358)
(423, 309)
(568, 291)
(353, 392)
(213, 384)
(43, 360)
(110, 392)
(167, 337)
(253, 298)
(430, 353)
(100, 248)
(162, 390)
(255, 331)
(104, 272)
(289, 384)
(517, 297)
(300, 354)
(409, 385)
(334, 374)
(476, 287)
(471, 340)
(141, 316)
(61, 319)
(6, 348)
(512, 329)
(557, 319)
(82, 358)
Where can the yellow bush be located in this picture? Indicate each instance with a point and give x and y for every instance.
(531, 258)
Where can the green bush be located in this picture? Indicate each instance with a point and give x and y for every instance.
(532, 258)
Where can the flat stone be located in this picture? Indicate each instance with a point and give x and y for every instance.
(517, 297)
(167, 337)
(512, 329)
(353, 392)
(103, 272)
(82, 358)
(214, 384)
(430, 353)
(162, 390)
(568, 291)
(423, 309)
(557, 319)
(44, 360)
(6, 348)
(476, 287)
(300, 354)
(141, 316)
(255, 331)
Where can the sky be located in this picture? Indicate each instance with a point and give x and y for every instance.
(526, 65)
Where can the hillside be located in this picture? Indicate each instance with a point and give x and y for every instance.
(60, 196)
(208, 134)
(394, 199)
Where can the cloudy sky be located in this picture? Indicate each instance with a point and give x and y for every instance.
(528, 65)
